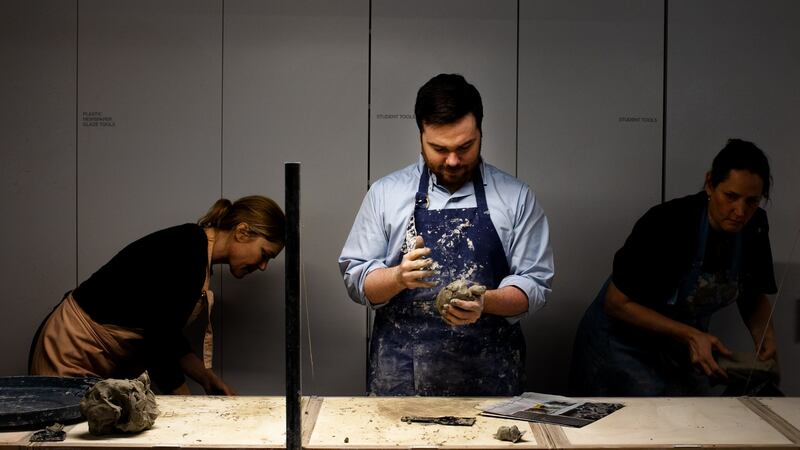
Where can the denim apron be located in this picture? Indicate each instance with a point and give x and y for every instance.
(413, 351)
(611, 358)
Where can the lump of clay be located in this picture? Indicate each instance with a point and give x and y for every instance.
(113, 406)
(744, 365)
(459, 289)
(511, 434)
(748, 374)
(53, 433)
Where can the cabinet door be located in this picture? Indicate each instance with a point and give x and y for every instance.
(414, 40)
(37, 168)
(590, 89)
(733, 72)
(149, 83)
(149, 120)
(295, 89)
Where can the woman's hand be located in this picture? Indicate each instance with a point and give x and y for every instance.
(768, 350)
(183, 389)
(215, 386)
(756, 315)
(701, 345)
(193, 367)
(701, 352)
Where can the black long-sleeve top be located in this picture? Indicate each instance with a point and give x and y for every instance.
(152, 284)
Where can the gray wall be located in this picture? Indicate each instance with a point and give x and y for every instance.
(593, 173)
(208, 99)
(37, 162)
(734, 72)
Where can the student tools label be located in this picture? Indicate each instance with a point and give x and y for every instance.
(638, 119)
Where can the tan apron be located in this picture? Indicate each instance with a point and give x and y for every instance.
(72, 344)
(206, 302)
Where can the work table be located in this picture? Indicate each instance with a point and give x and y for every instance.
(374, 423)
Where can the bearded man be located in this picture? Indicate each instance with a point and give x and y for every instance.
(450, 217)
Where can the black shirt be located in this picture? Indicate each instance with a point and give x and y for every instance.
(661, 248)
(152, 284)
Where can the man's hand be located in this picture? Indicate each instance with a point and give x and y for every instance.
(460, 311)
(410, 273)
(381, 285)
(463, 312)
(701, 348)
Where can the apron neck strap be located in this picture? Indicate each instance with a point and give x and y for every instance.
(211, 236)
(700, 252)
(702, 238)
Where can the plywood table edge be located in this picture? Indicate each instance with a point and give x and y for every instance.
(506, 446)
(128, 446)
(549, 436)
(310, 414)
(772, 418)
(54, 445)
(20, 443)
(681, 446)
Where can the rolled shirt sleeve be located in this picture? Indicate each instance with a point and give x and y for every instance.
(378, 231)
(365, 249)
(529, 254)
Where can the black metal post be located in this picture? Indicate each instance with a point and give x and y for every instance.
(293, 384)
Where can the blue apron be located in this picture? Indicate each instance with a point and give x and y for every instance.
(413, 351)
(611, 358)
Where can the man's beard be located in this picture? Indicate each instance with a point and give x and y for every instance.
(452, 177)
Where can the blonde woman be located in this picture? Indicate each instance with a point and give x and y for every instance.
(129, 315)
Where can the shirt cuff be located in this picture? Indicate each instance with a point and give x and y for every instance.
(372, 266)
(532, 290)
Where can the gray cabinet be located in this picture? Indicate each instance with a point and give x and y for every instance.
(733, 73)
(149, 120)
(37, 168)
(590, 148)
(295, 89)
(148, 123)
(413, 41)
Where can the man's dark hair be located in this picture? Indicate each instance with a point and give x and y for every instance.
(741, 155)
(445, 99)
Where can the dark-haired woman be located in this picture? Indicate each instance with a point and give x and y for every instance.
(646, 333)
(129, 315)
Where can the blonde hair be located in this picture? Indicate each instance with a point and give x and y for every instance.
(261, 214)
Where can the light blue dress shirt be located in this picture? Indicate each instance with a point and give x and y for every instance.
(379, 230)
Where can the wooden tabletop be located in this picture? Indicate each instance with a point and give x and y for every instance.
(369, 422)
(677, 422)
(786, 407)
(198, 422)
(374, 422)
(14, 439)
